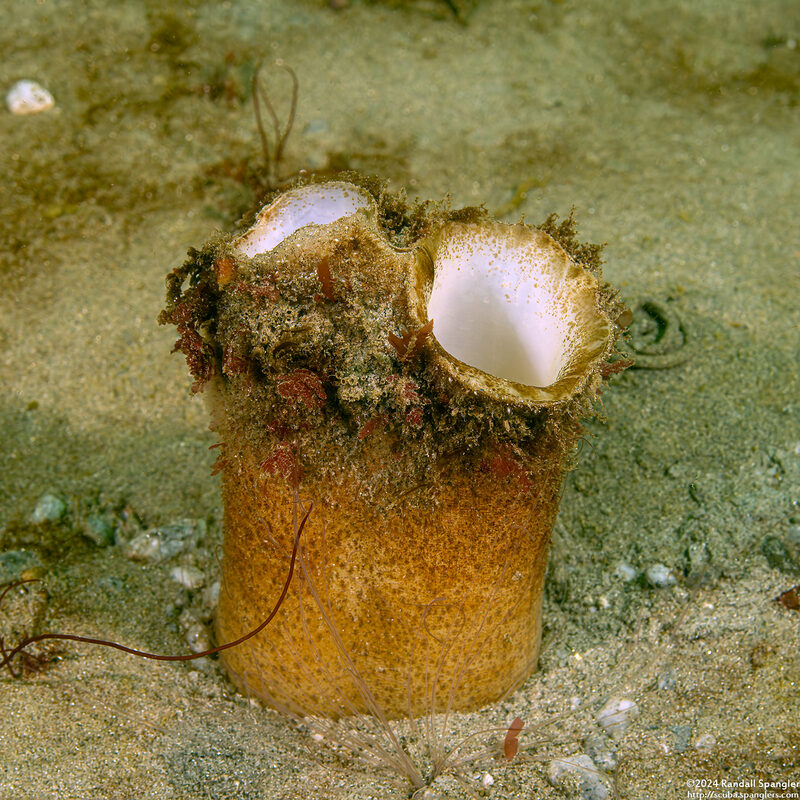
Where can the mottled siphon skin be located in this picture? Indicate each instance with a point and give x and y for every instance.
(433, 486)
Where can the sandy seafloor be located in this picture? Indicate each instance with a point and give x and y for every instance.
(672, 128)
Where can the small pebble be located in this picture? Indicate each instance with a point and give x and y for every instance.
(667, 680)
(99, 530)
(487, 780)
(49, 508)
(616, 716)
(195, 633)
(28, 97)
(197, 638)
(698, 558)
(159, 544)
(659, 576)
(682, 734)
(211, 596)
(190, 577)
(184, 534)
(705, 742)
(626, 571)
(577, 772)
(144, 547)
(188, 617)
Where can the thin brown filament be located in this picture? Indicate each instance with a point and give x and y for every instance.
(273, 155)
(8, 656)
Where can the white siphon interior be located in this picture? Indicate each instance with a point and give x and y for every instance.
(500, 302)
(317, 204)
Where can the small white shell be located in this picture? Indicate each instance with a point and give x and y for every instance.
(705, 742)
(190, 577)
(616, 716)
(28, 97)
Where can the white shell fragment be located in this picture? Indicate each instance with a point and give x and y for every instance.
(660, 577)
(28, 97)
(316, 204)
(616, 715)
(627, 572)
(705, 742)
(189, 577)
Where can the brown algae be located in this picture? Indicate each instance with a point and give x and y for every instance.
(416, 378)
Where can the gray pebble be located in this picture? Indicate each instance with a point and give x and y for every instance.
(682, 734)
(578, 776)
(145, 547)
(49, 508)
(182, 535)
(667, 680)
(99, 530)
(659, 576)
(166, 541)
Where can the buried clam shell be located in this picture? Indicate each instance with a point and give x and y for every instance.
(424, 403)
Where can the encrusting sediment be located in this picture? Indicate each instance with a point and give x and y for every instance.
(434, 474)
